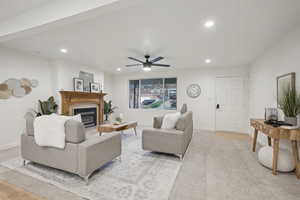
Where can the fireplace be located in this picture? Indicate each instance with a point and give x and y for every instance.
(70, 99)
(88, 116)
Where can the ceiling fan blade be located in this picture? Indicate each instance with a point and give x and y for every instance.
(137, 60)
(157, 59)
(134, 65)
(161, 65)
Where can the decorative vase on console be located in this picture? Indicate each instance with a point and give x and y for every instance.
(291, 120)
(290, 105)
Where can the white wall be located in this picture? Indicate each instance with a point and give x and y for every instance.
(108, 86)
(203, 107)
(14, 64)
(52, 77)
(64, 72)
(283, 58)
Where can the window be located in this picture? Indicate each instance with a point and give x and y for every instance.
(159, 93)
(170, 99)
(152, 93)
(134, 90)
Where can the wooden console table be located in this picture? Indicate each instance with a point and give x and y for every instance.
(276, 134)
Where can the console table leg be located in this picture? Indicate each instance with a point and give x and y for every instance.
(254, 140)
(269, 141)
(275, 155)
(296, 157)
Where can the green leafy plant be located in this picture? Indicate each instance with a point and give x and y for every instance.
(290, 103)
(108, 109)
(48, 107)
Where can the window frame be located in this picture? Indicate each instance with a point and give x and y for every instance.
(139, 99)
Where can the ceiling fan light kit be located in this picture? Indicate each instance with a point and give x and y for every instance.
(147, 69)
(147, 65)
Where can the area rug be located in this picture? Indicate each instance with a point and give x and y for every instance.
(140, 175)
(11, 192)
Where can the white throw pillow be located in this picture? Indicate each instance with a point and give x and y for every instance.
(285, 159)
(169, 120)
(75, 117)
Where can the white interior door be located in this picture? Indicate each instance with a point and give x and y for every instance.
(230, 104)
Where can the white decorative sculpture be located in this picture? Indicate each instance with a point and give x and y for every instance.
(285, 159)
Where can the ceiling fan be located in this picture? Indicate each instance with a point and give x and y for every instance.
(148, 63)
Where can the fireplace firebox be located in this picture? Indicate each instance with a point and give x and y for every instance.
(88, 116)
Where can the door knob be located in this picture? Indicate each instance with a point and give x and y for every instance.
(218, 106)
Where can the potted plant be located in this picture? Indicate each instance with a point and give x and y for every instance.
(290, 105)
(108, 109)
(47, 107)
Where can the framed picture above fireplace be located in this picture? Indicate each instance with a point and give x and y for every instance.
(78, 84)
(95, 87)
(87, 78)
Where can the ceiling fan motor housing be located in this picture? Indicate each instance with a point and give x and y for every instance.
(148, 63)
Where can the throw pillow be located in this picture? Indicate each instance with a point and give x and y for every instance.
(75, 117)
(170, 120)
(183, 109)
(180, 125)
(157, 122)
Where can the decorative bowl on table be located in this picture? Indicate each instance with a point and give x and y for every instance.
(118, 121)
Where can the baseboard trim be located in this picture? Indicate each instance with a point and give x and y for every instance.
(8, 146)
(203, 130)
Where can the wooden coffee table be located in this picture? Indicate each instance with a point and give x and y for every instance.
(108, 128)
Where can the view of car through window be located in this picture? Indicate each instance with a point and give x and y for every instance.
(158, 93)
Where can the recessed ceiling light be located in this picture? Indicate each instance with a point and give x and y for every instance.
(64, 50)
(209, 24)
(207, 60)
(119, 69)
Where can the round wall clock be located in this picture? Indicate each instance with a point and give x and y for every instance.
(193, 90)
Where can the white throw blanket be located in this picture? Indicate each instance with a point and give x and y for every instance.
(49, 130)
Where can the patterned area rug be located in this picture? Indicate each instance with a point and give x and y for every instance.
(139, 176)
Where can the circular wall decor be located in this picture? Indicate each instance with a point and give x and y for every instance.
(34, 83)
(193, 90)
(17, 87)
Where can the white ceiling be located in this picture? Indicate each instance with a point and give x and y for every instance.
(173, 29)
(10, 8)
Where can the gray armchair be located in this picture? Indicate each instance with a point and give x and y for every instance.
(80, 156)
(172, 141)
